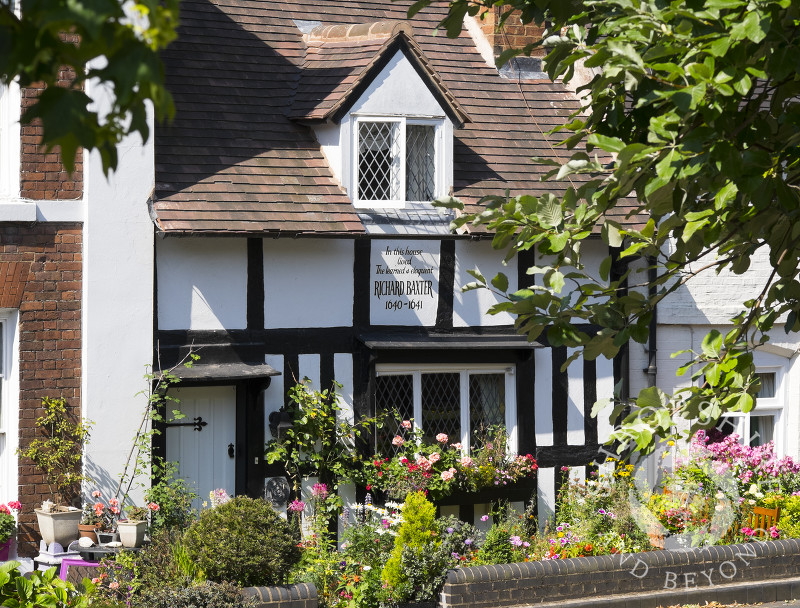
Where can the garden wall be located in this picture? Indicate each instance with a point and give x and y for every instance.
(747, 573)
(303, 595)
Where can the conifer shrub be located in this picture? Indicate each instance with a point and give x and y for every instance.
(417, 535)
(243, 541)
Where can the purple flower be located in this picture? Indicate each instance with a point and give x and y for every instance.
(468, 542)
(297, 506)
(449, 530)
(484, 517)
(516, 541)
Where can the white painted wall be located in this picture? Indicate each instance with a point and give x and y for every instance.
(202, 283)
(397, 90)
(117, 315)
(308, 283)
(404, 265)
(469, 308)
(9, 412)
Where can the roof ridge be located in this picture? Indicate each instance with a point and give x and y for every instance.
(358, 31)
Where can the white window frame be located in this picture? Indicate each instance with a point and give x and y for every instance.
(764, 406)
(439, 158)
(9, 403)
(9, 143)
(416, 371)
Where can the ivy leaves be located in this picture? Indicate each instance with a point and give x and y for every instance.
(685, 159)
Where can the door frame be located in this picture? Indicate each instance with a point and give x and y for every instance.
(249, 464)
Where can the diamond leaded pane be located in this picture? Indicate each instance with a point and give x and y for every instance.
(420, 165)
(487, 404)
(378, 161)
(393, 393)
(441, 405)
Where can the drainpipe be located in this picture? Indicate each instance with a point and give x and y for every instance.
(652, 341)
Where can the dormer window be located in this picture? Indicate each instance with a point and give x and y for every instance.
(396, 161)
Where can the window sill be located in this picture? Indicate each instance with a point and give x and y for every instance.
(13, 210)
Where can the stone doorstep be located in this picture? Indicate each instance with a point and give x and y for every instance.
(748, 592)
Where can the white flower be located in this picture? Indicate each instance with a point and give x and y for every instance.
(720, 495)
(367, 568)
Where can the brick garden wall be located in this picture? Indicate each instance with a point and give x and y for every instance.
(40, 274)
(747, 573)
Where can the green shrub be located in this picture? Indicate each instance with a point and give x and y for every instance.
(174, 498)
(415, 536)
(789, 522)
(37, 589)
(206, 595)
(242, 541)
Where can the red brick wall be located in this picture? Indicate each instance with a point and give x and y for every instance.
(50, 337)
(512, 35)
(42, 176)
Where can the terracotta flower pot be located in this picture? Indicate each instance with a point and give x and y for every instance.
(88, 531)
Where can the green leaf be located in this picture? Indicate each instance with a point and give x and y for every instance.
(712, 344)
(500, 282)
(611, 234)
(609, 144)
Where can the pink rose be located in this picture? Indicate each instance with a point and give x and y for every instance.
(96, 494)
(424, 463)
(434, 458)
(153, 506)
(456, 446)
(114, 585)
(398, 441)
(466, 461)
(406, 424)
(441, 438)
(447, 476)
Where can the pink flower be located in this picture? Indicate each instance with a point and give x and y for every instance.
(95, 581)
(748, 531)
(424, 463)
(441, 438)
(114, 585)
(5, 509)
(398, 441)
(98, 507)
(434, 458)
(96, 494)
(115, 510)
(113, 502)
(406, 424)
(153, 506)
(456, 446)
(465, 461)
(297, 506)
(484, 518)
(773, 532)
(319, 490)
(15, 504)
(447, 476)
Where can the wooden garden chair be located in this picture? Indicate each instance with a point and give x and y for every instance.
(762, 519)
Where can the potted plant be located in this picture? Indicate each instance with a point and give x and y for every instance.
(132, 530)
(98, 517)
(56, 451)
(8, 527)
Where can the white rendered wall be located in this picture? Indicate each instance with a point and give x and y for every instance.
(398, 90)
(202, 283)
(117, 315)
(469, 308)
(308, 283)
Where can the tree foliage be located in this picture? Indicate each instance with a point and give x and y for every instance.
(691, 117)
(115, 43)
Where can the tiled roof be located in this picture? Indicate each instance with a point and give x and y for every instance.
(234, 161)
(341, 60)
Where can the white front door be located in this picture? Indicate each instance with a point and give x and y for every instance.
(203, 456)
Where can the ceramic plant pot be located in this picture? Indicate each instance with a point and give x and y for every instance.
(59, 525)
(131, 533)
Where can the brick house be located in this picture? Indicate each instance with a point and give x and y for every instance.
(281, 228)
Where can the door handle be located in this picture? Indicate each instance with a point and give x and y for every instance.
(231, 451)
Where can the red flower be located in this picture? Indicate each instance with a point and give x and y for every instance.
(369, 487)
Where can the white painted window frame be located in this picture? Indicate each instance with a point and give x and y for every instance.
(765, 406)
(9, 404)
(9, 143)
(441, 158)
(416, 371)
